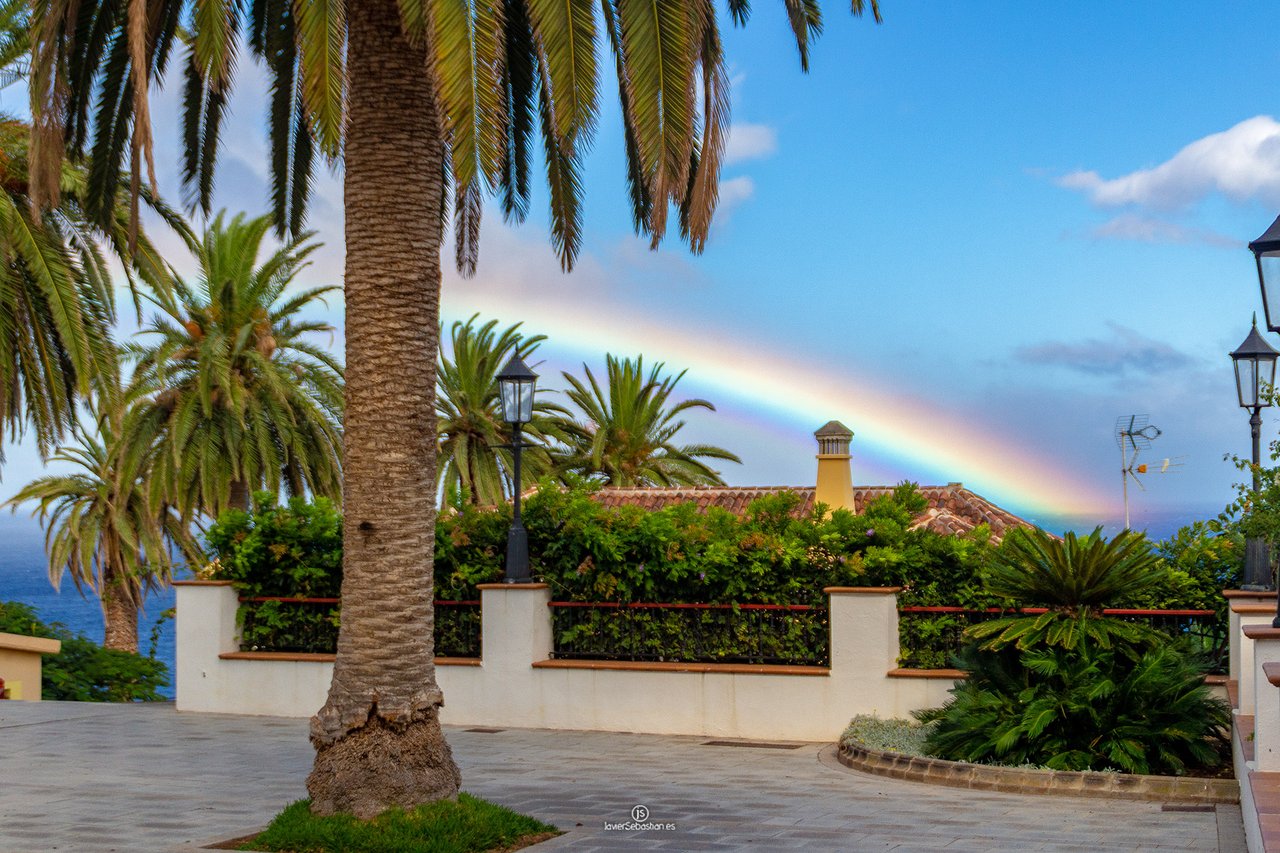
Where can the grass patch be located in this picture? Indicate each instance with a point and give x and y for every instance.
(467, 825)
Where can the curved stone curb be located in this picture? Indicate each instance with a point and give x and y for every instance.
(1018, 780)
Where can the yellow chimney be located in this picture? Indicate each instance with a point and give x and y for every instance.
(835, 484)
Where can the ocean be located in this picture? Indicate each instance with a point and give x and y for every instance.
(24, 577)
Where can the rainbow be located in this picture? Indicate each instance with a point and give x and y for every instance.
(915, 435)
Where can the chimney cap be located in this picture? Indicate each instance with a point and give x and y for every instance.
(833, 429)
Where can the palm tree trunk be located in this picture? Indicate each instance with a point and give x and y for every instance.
(378, 739)
(239, 497)
(119, 612)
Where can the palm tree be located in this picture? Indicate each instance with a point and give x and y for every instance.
(475, 465)
(630, 429)
(1073, 577)
(407, 94)
(56, 295)
(241, 399)
(100, 527)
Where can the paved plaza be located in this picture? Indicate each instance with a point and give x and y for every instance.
(102, 778)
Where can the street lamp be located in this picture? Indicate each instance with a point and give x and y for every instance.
(516, 385)
(1255, 364)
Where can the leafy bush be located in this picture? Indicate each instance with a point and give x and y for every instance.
(1089, 708)
(1072, 689)
(84, 671)
(590, 553)
(293, 550)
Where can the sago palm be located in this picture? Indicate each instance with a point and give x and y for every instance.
(475, 463)
(1074, 577)
(100, 526)
(429, 105)
(56, 295)
(630, 429)
(239, 398)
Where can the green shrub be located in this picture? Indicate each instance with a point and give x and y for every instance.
(84, 671)
(293, 550)
(907, 737)
(589, 553)
(1072, 689)
(1124, 708)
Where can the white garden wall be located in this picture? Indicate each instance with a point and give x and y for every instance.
(518, 683)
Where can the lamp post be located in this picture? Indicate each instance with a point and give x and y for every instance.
(1255, 367)
(516, 385)
(1266, 251)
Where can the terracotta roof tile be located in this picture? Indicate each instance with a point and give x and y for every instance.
(733, 499)
(952, 509)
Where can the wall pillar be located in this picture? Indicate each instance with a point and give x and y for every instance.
(20, 664)
(864, 647)
(1247, 609)
(1266, 704)
(205, 627)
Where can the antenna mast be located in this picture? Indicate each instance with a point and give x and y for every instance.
(1134, 433)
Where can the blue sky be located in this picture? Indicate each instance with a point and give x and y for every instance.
(976, 234)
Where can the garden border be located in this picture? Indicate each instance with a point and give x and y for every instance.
(1021, 780)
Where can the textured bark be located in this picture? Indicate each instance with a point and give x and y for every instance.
(378, 740)
(119, 613)
(239, 497)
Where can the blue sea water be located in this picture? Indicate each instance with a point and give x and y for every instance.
(24, 577)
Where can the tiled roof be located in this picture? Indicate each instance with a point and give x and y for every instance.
(735, 500)
(952, 509)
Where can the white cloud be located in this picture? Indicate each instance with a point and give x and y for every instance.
(733, 192)
(749, 142)
(1145, 229)
(1241, 163)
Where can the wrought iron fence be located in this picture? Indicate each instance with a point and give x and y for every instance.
(791, 634)
(286, 624)
(930, 636)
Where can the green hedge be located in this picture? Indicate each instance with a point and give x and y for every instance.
(590, 553)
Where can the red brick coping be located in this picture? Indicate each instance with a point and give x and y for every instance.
(202, 583)
(1261, 632)
(863, 590)
(950, 674)
(1018, 780)
(322, 657)
(1245, 607)
(1265, 788)
(1248, 593)
(674, 666)
(1266, 804)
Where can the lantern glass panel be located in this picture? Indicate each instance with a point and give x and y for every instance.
(1247, 382)
(1269, 277)
(1266, 381)
(517, 400)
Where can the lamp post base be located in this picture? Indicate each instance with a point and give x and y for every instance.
(1257, 566)
(517, 556)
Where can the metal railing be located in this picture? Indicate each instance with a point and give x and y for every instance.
(277, 623)
(779, 634)
(930, 636)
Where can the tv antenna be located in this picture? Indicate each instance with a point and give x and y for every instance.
(1134, 434)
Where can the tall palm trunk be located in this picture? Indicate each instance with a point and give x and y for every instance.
(378, 739)
(119, 611)
(239, 497)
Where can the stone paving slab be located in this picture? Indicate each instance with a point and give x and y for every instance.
(106, 778)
